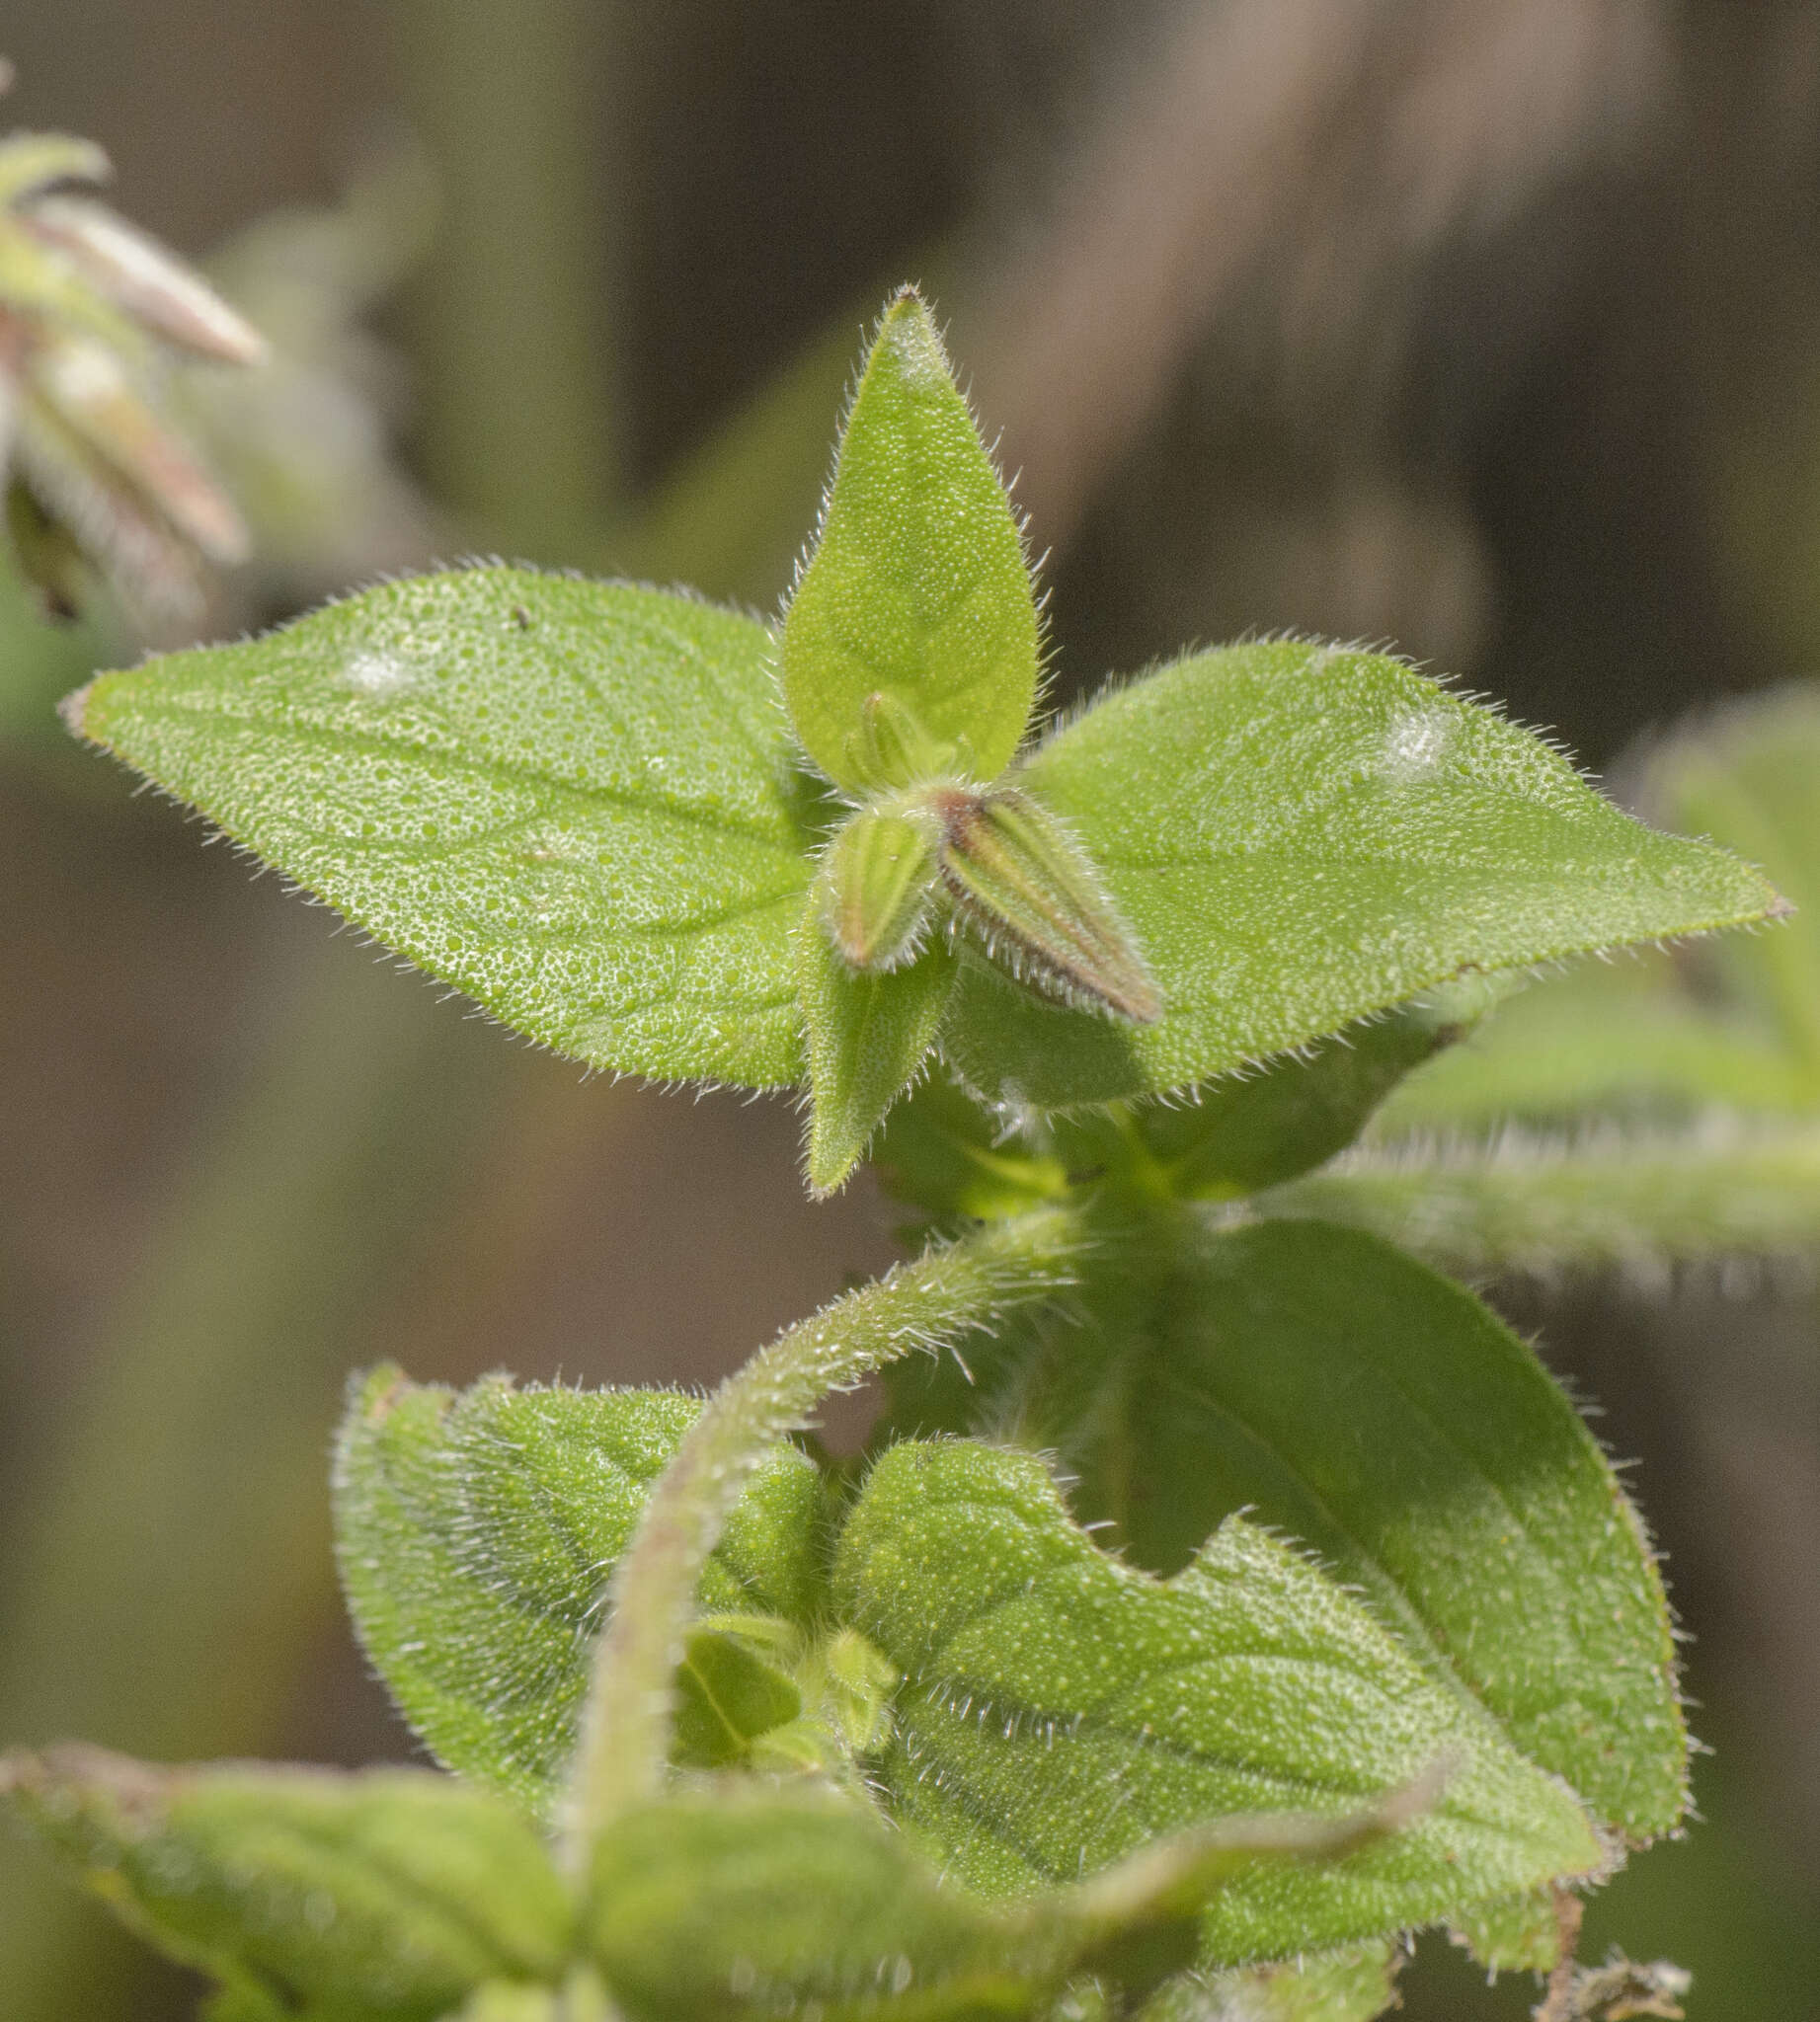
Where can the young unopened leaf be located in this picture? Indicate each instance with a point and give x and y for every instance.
(869, 1032)
(1019, 879)
(383, 1897)
(1354, 1400)
(1298, 837)
(571, 800)
(729, 1691)
(476, 1532)
(875, 884)
(1060, 1708)
(910, 644)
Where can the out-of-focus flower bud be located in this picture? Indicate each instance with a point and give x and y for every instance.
(95, 465)
(138, 275)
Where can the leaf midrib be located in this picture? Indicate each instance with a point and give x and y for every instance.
(496, 773)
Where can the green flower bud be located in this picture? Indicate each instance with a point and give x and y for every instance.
(1029, 890)
(875, 884)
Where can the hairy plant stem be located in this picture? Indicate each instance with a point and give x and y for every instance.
(923, 1304)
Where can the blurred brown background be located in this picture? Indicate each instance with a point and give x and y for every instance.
(1488, 326)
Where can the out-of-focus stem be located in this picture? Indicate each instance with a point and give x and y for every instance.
(512, 353)
(1528, 1203)
(926, 1303)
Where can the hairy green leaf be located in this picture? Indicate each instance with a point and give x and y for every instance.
(1139, 1922)
(1301, 835)
(1383, 1416)
(910, 644)
(476, 1532)
(571, 800)
(749, 1901)
(1060, 1708)
(1521, 1934)
(752, 1903)
(869, 1032)
(389, 1893)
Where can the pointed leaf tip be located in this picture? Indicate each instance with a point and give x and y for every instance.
(1301, 835)
(585, 825)
(868, 1033)
(917, 599)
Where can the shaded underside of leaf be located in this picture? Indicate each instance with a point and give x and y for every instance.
(571, 800)
(1252, 1131)
(476, 1532)
(1061, 1709)
(1300, 835)
(945, 1153)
